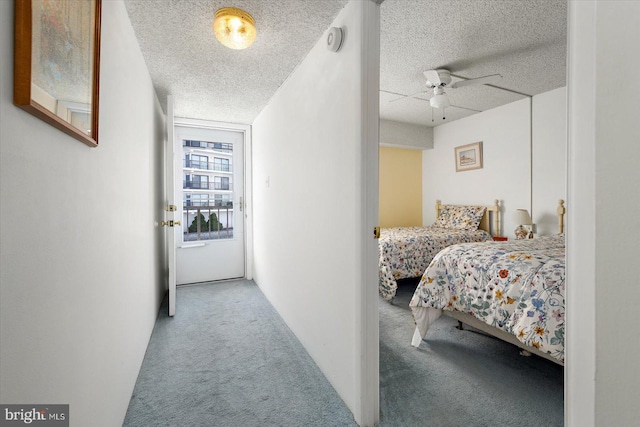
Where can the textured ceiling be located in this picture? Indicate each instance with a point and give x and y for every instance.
(210, 81)
(523, 40)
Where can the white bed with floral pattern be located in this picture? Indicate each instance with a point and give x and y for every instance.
(515, 287)
(406, 252)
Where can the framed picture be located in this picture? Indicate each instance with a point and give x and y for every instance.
(468, 157)
(57, 64)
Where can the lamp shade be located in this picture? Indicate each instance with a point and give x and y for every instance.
(522, 217)
(234, 28)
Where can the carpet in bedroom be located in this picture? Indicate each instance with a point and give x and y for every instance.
(460, 378)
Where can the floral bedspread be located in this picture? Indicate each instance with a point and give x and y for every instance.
(517, 286)
(407, 251)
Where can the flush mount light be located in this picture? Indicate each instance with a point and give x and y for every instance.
(234, 28)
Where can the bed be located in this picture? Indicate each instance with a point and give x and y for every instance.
(514, 290)
(405, 252)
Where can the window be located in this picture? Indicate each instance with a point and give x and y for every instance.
(196, 200)
(200, 181)
(200, 162)
(221, 183)
(223, 200)
(218, 146)
(221, 164)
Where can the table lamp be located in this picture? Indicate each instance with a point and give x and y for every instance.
(523, 218)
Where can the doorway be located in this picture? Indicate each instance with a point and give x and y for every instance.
(209, 188)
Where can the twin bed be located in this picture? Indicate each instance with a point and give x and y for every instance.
(406, 252)
(513, 290)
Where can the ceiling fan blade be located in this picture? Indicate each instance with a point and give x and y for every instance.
(410, 96)
(423, 99)
(478, 81)
(432, 77)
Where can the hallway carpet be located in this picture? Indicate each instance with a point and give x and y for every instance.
(228, 359)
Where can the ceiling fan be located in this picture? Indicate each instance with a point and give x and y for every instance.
(438, 80)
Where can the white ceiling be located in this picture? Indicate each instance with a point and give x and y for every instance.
(523, 40)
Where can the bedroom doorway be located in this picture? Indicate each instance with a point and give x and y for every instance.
(442, 178)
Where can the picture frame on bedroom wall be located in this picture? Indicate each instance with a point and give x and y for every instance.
(57, 64)
(468, 157)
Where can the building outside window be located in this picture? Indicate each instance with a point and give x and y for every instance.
(207, 190)
(221, 182)
(200, 182)
(221, 164)
(199, 162)
(223, 200)
(196, 200)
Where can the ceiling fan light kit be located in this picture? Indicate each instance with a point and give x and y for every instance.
(439, 99)
(438, 79)
(234, 28)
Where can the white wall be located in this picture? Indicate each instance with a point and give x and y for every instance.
(549, 158)
(508, 173)
(602, 370)
(81, 257)
(505, 136)
(310, 148)
(405, 135)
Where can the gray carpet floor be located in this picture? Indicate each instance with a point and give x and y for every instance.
(460, 378)
(228, 359)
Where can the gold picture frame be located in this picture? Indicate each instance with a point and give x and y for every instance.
(468, 157)
(57, 64)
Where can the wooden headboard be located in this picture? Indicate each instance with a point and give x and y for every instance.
(561, 211)
(490, 220)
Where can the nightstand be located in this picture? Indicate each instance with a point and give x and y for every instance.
(500, 238)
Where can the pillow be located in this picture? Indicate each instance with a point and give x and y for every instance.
(460, 217)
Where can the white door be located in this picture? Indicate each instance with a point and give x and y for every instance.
(170, 207)
(209, 191)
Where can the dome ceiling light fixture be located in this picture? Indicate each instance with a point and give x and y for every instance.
(439, 98)
(234, 28)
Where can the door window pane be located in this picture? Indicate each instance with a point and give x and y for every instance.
(207, 190)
